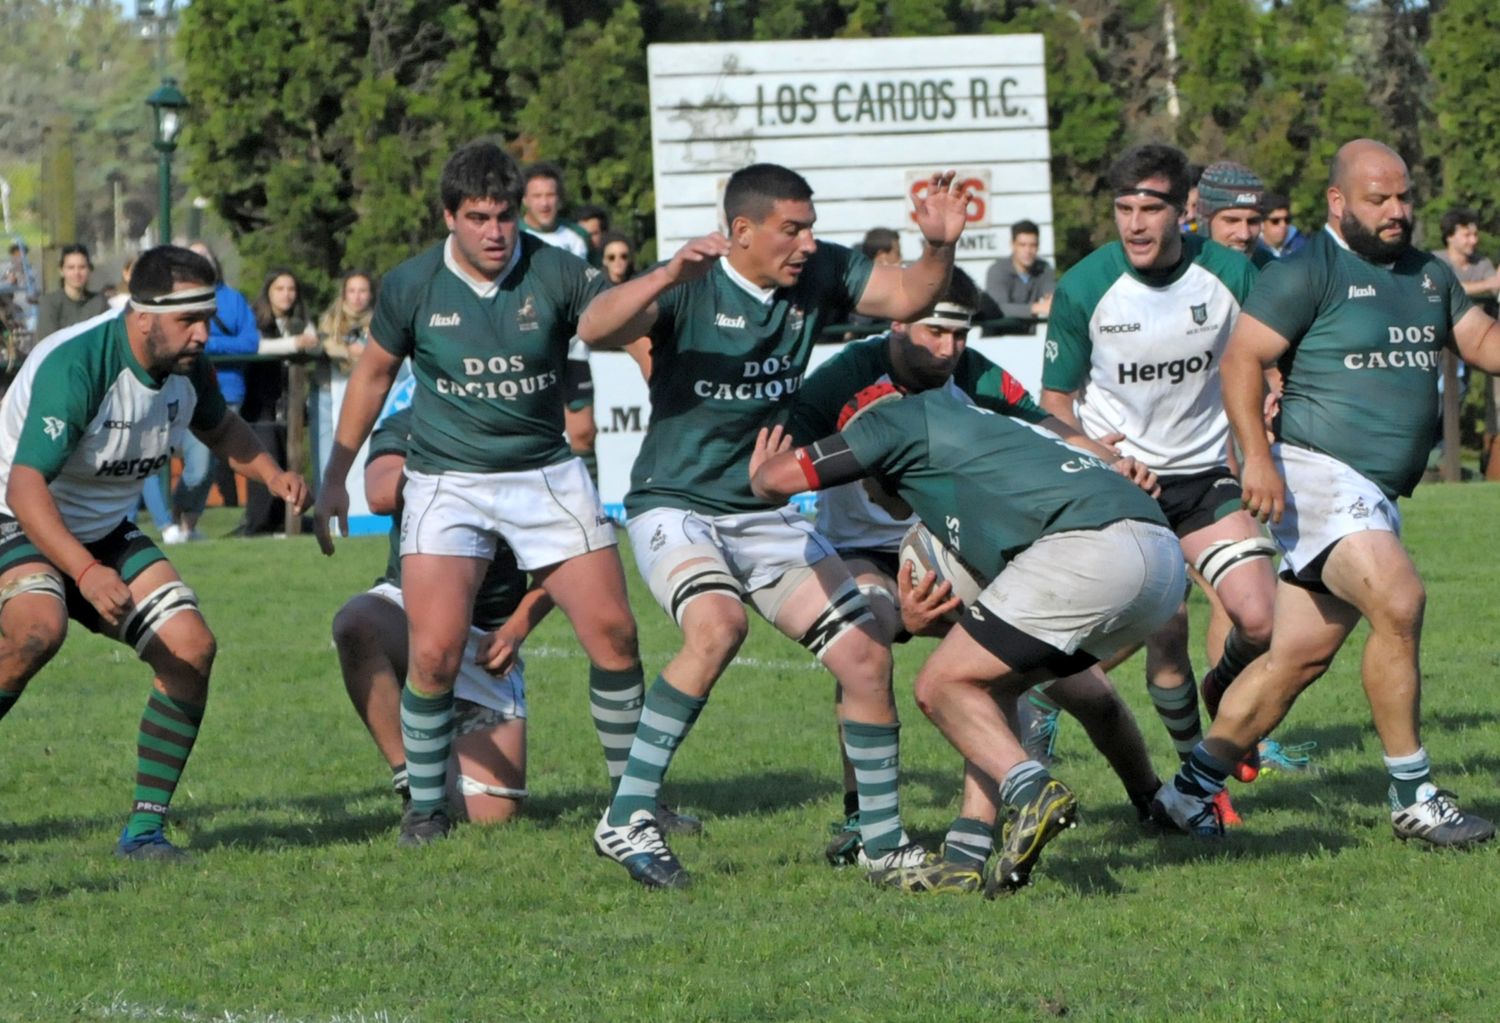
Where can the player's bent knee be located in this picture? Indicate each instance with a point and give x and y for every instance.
(155, 610)
(1221, 558)
(847, 609)
(354, 630)
(1403, 607)
(716, 636)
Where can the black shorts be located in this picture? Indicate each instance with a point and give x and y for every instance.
(1198, 500)
(125, 549)
(1021, 651)
(888, 562)
(577, 385)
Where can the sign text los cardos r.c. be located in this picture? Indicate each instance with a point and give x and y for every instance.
(903, 101)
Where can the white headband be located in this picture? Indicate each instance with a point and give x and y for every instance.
(184, 300)
(949, 314)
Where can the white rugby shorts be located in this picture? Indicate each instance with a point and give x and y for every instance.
(506, 695)
(1095, 590)
(546, 515)
(1326, 500)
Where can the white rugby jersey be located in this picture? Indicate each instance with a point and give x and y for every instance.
(87, 416)
(1145, 351)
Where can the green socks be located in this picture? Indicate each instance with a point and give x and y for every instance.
(427, 737)
(615, 699)
(666, 719)
(1178, 710)
(874, 750)
(1408, 774)
(969, 843)
(165, 741)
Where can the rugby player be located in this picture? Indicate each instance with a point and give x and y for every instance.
(1137, 332)
(933, 353)
(95, 410)
(485, 317)
(732, 322)
(1357, 321)
(1080, 562)
(489, 705)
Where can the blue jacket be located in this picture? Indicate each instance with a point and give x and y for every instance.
(232, 331)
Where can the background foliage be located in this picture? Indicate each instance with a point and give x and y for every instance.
(319, 126)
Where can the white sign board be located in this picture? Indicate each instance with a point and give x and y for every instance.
(866, 121)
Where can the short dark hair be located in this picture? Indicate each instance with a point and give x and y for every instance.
(755, 190)
(1024, 227)
(1152, 160)
(591, 212)
(1276, 201)
(608, 238)
(878, 240)
(543, 169)
(961, 290)
(1195, 173)
(159, 269)
(1458, 216)
(75, 249)
(480, 170)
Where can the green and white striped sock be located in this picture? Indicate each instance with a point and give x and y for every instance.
(969, 842)
(615, 699)
(1023, 783)
(666, 719)
(1178, 710)
(427, 737)
(875, 752)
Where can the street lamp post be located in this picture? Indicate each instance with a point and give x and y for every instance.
(167, 104)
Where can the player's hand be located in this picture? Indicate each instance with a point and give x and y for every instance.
(1263, 488)
(497, 652)
(942, 210)
(291, 488)
(102, 587)
(333, 504)
(1137, 473)
(925, 604)
(769, 443)
(697, 257)
(1113, 441)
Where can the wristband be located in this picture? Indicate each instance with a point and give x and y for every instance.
(78, 579)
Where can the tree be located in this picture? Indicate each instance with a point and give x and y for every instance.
(1466, 99)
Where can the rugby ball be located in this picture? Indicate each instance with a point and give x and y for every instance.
(922, 552)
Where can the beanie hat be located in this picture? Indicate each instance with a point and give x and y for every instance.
(1227, 186)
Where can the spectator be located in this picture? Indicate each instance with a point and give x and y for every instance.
(122, 291)
(595, 222)
(1278, 235)
(19, 280)
(343, 331)
(1022, 285)
(883, 246)
(1188, 218)
(1230, 198)
(232, 331)
(618, 257)
(1460, 228)
(281, 318)
(73, 302)
(543, 201)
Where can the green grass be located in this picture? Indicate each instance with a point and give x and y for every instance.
(299, 906)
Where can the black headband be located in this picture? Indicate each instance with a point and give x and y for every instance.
(1150, 193)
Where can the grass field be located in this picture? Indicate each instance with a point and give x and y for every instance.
(299, 907)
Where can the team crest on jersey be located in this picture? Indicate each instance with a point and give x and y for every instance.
(1050, 349)
(172, 407)
(53, 426)
(526, 315)
(796, 318)
(658, 539)
(1200, 314)
(1430, 289)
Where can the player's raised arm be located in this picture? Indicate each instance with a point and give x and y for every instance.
(905, 292)
(369, 383)
(628, 311)
(1252, 348)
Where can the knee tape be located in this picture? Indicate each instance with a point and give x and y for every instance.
(688, 584)
(36, 582)
(470, 787)
(160, 605)
(1219, 559)
(847, 608)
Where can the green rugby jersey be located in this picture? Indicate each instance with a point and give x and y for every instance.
(726, 362)
(503, 585)
(1145, 351)
(487, 365)
(90, 418)
(1360, 378)
(988, 485)
(846, 516)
